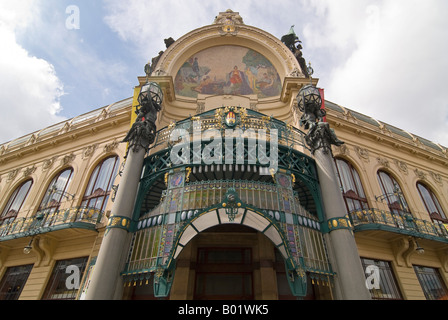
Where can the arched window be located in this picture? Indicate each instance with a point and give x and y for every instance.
(56, 191)
(15, 202)
(392, 193)
(352, 190)
(432, 204)
(100, 184)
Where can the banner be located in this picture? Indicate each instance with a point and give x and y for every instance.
(322, 96)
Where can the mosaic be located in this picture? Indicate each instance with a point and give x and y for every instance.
(228, 70)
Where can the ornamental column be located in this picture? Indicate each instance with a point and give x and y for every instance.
(111, 257)
(350, 278)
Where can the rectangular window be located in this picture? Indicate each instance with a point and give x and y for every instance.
(432, 283)
(65, 280)
(386, 287)
(13, 282)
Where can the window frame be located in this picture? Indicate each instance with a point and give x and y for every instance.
(388, 281)
(425, 278)
(6, 216)
(22, 278)
(439, 216)
(51, 206)
(356, 182)
(96, 173)
(393, 207)
(58, 277)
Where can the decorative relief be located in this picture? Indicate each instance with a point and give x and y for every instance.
(420, 174)
(363, 154)
(111, 146)
(68, 159)
(12, 174)
(341, 150)
(384, 162)
(436, 177)
(200, 108)
(88, 152)
(48, 163)
(402, 166)
(29, 171)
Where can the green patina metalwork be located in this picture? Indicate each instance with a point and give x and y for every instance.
(158, 233)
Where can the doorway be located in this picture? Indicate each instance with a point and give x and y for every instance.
(224, 274)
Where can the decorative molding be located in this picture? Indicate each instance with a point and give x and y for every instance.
(437, 178)
(399, 247)
(200, 108)
(341, 150)
(88, 152)
(111, 146)
(402, 166)
(68, 159)
(48, 163)
(383, 162)
(12, 174)
(47, 246)
(29, 171)
(420, 174)
(362, 153)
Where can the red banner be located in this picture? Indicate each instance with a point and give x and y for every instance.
(322, 96)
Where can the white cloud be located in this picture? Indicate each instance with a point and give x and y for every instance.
(383, 58)
(392, 63)
(30, 89)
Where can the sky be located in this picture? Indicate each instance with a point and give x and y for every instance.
(62, 58)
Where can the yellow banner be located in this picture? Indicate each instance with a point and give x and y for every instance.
(134, 105)
(446, 226)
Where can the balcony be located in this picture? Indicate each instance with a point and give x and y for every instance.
(375, 219)
(50, 221)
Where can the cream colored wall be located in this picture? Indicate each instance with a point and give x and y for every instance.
(81, 149)
(369, 149)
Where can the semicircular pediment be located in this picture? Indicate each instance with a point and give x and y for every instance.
(244, 61)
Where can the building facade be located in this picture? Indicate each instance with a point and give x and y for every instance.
(232, 199)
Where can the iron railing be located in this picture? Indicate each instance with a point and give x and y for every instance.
(47, 220)
(401, 223)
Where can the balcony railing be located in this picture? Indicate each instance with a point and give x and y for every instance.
(375, 219)
(47, 221)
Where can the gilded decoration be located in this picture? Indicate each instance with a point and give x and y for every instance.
(227, 69)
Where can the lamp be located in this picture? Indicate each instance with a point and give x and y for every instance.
(150, 92)
(28, 247)
(309, 96)
(419, 249)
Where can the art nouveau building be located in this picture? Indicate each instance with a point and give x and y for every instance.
(209, 218)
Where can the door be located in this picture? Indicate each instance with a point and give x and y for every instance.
(224, 274)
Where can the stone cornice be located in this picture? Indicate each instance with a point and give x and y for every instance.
(68, 134)
(385, 138)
